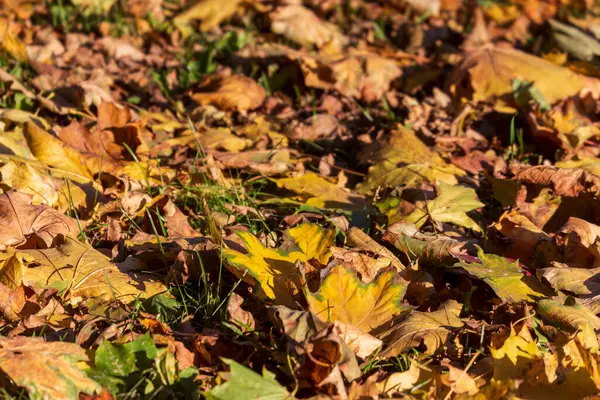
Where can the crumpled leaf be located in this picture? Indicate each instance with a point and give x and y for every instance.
(431, 328)
(301, 327)
(28, 226)
(506, 279)
(77, 269)
(48, 370)
(570, 315)
(451, 205)
(343, 297)
(114, 132)
(300, 25)
(242, 382)
(230, 93)
(563, 181)
(211, 12)
(579, 281)
(523, 235)
(433, 249)
(270, 270)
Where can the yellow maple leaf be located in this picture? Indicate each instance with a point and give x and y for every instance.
(270, 270)
(344, 297)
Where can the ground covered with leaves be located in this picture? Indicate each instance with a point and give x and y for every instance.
(255, 199)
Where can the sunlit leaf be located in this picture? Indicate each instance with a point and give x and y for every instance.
(505, 278)
(243, 383)
(270, 270)
(48, 370)
(342, 296)
(450, 206)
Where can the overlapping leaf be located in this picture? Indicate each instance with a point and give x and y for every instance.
(272, 271)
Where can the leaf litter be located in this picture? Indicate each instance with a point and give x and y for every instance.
(299, 199)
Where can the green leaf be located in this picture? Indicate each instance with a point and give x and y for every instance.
(245, 384)
(505, 278)
(121, 360)
(450, 206)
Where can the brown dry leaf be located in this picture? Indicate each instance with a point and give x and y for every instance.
(491, 71)
(580, 247)
(177, 222)
(48, 370)
(362, 344)
(564, 182)
(25, 225)
(120, 48)
(431, 328)
(366, 267)
(523, 234)
(222, 139)
(359, 74)
(79, 270)
(115, 131)
(230, 93)
(239, 316)
(300, 25)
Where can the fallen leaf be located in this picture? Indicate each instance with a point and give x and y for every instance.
(570, 315)
(211, 12)
(491, 71)
(343, 297)
(451, 205)
(564, 182)
(79, 270)
(51, 151)
(579, 281)
(239, 316)
(242, 382)
(300, 25)
(506, 279)
(48, 370)
(435, 249)
(269, 270)
(317, 191)
(362, 344)
(400, 381)
(28, 226)
(431, 328)
(230, 93)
